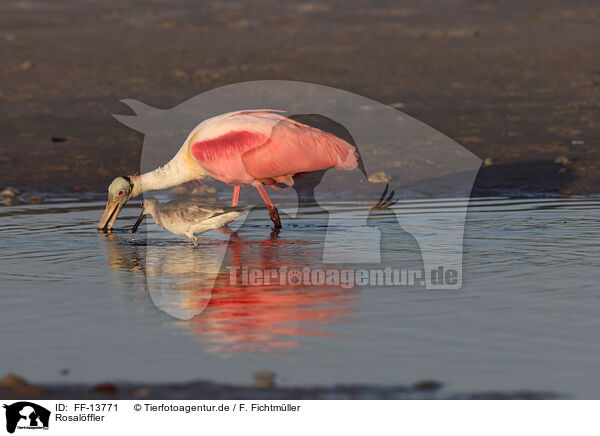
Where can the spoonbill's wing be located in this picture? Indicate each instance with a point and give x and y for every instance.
(258, 145)
(295, 148)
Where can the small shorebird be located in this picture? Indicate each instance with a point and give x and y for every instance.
(187, 217)
(251, 147)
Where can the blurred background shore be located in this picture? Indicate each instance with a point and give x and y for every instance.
(517, 83)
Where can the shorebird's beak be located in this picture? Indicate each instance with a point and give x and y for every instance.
(111, 211)
(138, 222)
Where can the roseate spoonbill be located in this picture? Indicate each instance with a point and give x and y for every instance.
(251, 147)
(187, 217)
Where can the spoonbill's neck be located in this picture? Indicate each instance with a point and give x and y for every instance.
(171, 174)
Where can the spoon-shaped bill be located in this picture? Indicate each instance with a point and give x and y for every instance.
(111, 211)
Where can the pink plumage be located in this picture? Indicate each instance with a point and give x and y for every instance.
(220, 156)
(255, 147)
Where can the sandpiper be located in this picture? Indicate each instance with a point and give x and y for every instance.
(187, 217)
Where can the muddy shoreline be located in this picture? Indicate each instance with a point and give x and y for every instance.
(13, 387)
(517, 83)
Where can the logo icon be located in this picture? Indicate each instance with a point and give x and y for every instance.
(26, 415)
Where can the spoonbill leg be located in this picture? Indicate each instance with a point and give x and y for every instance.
(272, 209)
(236, 196)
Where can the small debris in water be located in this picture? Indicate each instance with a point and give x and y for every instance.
(562, 170)
(206, 76)
(167, 25)
(397, 105)
(105, 388)
(10, 192)
(264, 380)
(488, 162)
(427, 385)
(380, 177)
(141, 393)
(565, 192)
(562, 160)
(180, 75)
(58, 139)
(21, 387)
(64, 371)
(12, 201)
(34, 199)
(204, 191)
(26, 65)
(180, 190)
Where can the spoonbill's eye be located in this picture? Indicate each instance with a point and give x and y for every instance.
(120, 193)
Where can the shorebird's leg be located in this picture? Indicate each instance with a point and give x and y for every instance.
(236, 196)
(272, 209)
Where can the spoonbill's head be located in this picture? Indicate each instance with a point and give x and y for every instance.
(119, 192)
(148, 207)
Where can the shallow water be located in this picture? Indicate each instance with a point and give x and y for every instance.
(526, 316)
